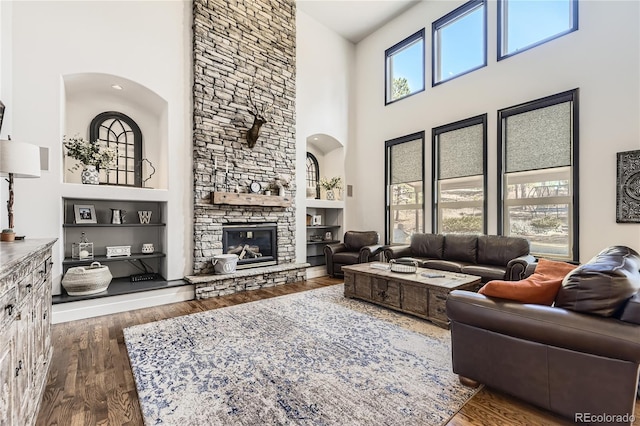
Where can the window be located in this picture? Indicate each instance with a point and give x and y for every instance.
(523, 24)
(404, 71)
(118, 131)
(404, 183)
(313, 173)
(538, 164)
(459, 176)
(460, 42)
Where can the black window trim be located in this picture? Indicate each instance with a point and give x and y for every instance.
(500, 40)
(446, 19)
(317, 166)
(435, 132)
(387, 197)
(568, 96)
(394, 49)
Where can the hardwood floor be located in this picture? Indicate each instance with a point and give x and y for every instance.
(90, 380)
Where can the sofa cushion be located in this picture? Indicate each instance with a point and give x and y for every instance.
(444, 265)
(602, 285)
(461, 247)
(427, 245)
(540, 288)
(346, 257)
(355, 240)
(499, 250)
(487, 272)
(631, 311)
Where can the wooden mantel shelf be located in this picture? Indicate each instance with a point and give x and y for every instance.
(243, 199)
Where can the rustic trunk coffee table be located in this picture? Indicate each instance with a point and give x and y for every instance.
(414, 293)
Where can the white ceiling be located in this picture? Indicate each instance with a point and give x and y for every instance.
(354, 19)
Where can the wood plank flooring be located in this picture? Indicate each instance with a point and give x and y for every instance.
(90, 381)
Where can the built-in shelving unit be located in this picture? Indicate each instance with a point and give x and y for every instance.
(329, 215)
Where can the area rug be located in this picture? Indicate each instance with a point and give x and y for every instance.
(310, 358)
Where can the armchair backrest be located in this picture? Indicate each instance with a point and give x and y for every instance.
(355, 240)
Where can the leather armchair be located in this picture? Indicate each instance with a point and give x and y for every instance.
(358, 247)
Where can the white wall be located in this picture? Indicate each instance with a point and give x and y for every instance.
(148, 42)
(601, 59)
(324, 93)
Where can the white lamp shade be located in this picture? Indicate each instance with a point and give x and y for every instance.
(21, 159)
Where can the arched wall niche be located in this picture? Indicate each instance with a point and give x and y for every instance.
(89, 94)
(329, 152)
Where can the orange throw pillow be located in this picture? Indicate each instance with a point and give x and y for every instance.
(540, 288)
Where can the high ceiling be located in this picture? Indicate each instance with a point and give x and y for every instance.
(354, 19)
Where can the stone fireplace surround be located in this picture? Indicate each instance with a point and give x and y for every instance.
(238, 45)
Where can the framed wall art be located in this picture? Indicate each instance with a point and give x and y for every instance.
(628, 187)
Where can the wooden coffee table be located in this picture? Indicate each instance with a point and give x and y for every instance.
(412, 293)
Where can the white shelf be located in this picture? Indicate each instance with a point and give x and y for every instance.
(112, 192)
(325, 204)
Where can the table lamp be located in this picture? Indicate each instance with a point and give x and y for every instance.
(17, 160)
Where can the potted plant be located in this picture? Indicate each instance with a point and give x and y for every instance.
(330, 185)
(91, 155)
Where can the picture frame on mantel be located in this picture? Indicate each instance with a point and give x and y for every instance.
(628, 187)
(84, 213)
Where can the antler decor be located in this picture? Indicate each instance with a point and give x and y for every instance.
(259, 117)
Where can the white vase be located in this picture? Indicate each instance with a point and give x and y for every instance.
(90, 175)
(330, 194)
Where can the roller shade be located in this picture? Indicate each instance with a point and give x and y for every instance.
(460, 152)
(406, 162)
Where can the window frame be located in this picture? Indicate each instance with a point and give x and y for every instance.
(387, 178)
(313, 158)
(418, 35)
(568, 96)
(437, 131)
(94, 135)
(446, 20)
(502, 34)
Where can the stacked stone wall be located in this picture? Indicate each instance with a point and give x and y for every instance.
(240, 45)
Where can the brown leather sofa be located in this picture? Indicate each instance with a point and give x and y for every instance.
(570, 362)
(491, 257)
(358, 247)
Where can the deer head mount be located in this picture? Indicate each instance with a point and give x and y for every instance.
(259, 116)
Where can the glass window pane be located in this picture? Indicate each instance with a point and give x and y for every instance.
(460, 43)
(405, 68)
(461, 190)
(468, 220)
(545, 226)
(538, 184)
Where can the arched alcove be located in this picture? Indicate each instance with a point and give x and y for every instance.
(329, 152)
(87, 95)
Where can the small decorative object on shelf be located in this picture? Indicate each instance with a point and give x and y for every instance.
(117, 216)
(328, 236)
(316, 220)
(330, 185)
(81, 281)
(144, 216)
(281, 182)
(153, 171)
(91, 155)
(147, 248)
(84, 213)
(116, 251)
(7, 235)
(82, 250)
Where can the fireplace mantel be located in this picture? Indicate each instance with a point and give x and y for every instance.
(243, 199)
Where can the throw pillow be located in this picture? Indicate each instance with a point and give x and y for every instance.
(539, 288)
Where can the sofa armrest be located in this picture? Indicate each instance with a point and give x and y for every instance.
(520, 267)
(394, 252)
(370, 253)
(329, 251)
(548, 325)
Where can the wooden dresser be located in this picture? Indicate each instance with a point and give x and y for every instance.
(25, 328)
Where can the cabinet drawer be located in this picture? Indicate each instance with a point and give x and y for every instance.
(386, 292)
(437, 305)
(9, 308)
(25, 288)
(415, 299)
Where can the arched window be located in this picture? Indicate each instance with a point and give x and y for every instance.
(118, 131)
(313, 173)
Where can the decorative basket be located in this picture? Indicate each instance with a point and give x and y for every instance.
(404, 265)
(81, 280)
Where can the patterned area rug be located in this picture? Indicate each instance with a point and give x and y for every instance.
(310, 358)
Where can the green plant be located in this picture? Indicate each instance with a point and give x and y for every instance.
(333, 183)
(546, 223)
(88, 153)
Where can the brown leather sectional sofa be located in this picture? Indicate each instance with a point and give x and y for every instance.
(491, 257)
(578, 358)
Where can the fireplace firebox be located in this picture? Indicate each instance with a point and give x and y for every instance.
(254, 243)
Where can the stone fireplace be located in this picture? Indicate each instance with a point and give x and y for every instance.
(241, 47)
(255, 244)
